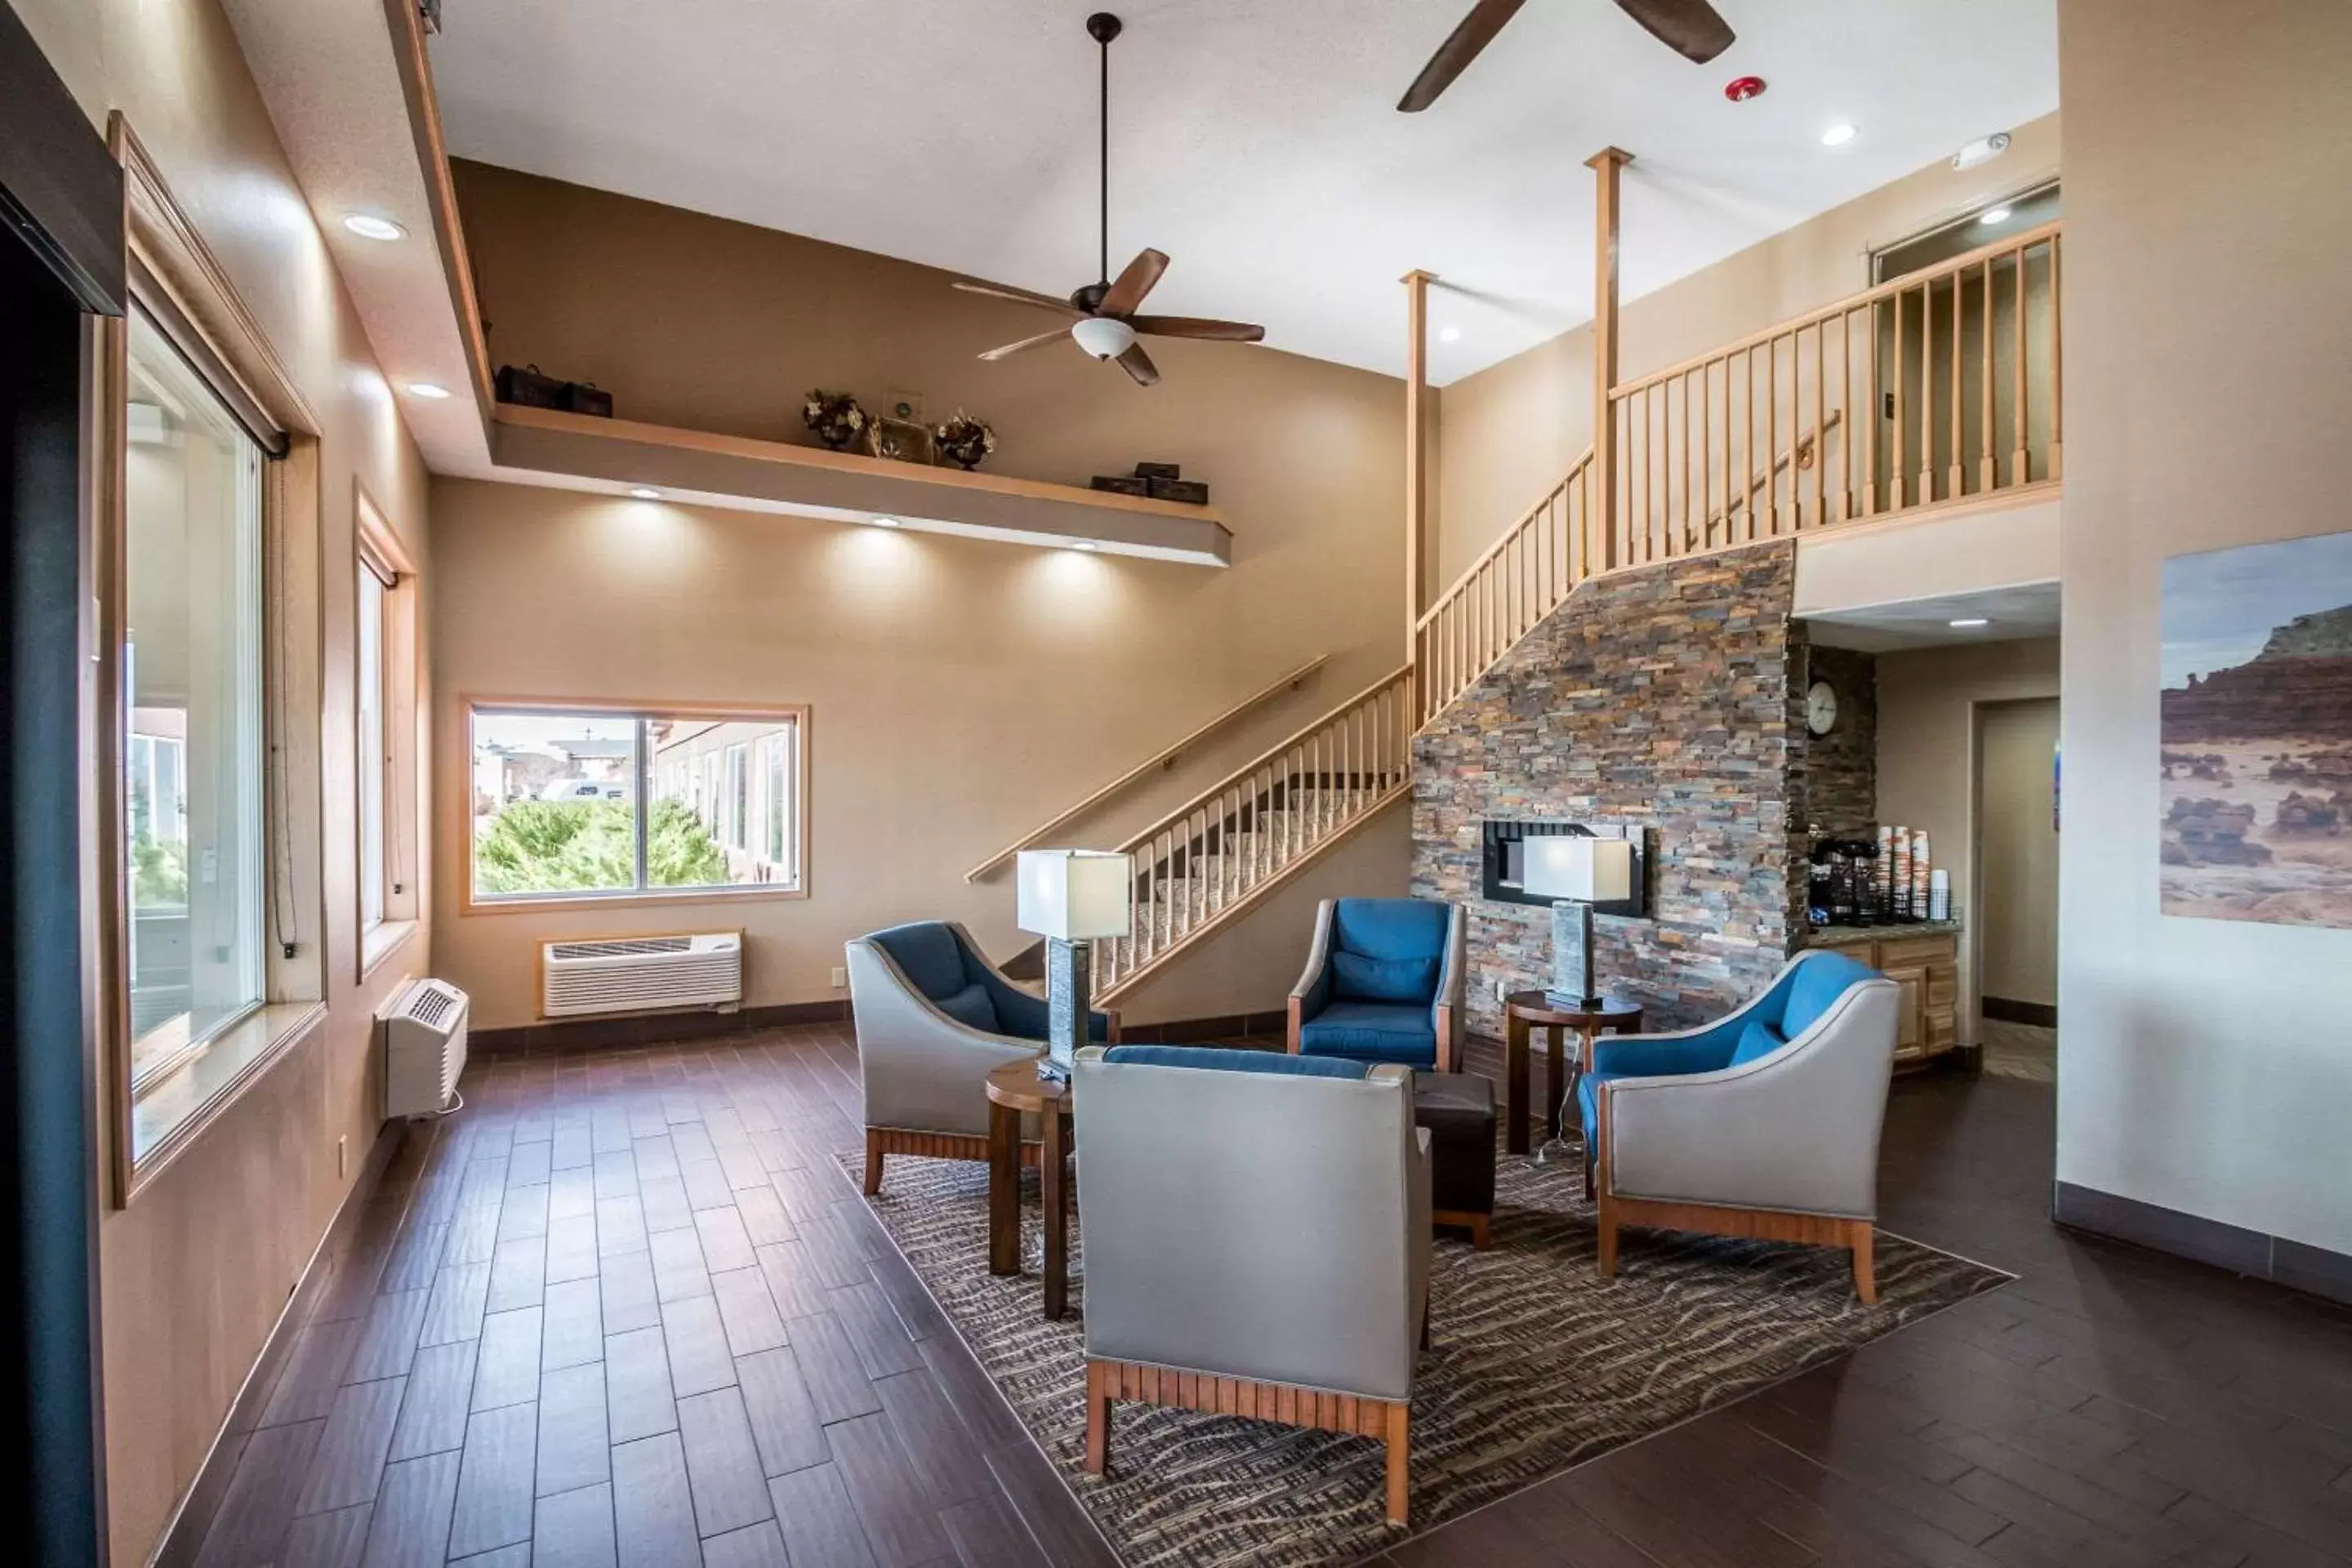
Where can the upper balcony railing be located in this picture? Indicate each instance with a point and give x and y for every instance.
(1938, 387)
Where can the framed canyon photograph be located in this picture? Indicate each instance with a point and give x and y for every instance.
(2256, 753)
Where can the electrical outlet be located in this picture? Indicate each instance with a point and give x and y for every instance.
(343, 1157)
(1502, 989)
(840, 977)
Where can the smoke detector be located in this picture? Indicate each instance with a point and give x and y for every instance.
(1983, 150)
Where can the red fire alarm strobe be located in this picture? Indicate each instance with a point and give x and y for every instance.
(1740, 89)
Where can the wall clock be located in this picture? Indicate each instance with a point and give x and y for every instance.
(1820, 708)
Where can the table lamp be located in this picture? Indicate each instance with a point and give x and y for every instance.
(1575, 872)
(1070, 897)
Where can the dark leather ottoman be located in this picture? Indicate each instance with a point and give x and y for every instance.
(1458, 1109)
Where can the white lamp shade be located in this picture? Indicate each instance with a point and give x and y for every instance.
(1074, 895)
(1570, 865)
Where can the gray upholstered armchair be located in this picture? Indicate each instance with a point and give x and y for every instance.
(1765, 1122)
(934, 1017)
(1383, 984)
(1204, 1168)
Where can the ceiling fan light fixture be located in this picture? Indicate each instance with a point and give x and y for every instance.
(1104, 337)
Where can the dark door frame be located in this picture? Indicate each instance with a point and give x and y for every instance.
(61, 259)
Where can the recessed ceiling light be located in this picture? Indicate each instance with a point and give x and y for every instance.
(1084, 544)
(1449, 334)
(1993, 214)
(644, 492)
(1838, 135)
(1969, 623)
(432, 391)
(883, 522)
(367, 225)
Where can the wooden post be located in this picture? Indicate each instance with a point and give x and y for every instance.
(1416, 451)
(1605, 164)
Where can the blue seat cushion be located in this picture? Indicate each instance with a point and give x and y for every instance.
(1757, 1039)
(1390, 928)
(971, 1007)
(1229, 1059)
(1372, 1032)
(1356, 978)
(1820, 979)
(928, 953)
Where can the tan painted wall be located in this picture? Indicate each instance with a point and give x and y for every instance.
(2016, 923)
(1507, 433)
(1927, 702)
(195, 1272)
(962, 691)
(2206, 406)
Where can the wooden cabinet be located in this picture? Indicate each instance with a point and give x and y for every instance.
(1926, 966)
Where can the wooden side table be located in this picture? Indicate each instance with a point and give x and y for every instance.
(1526, 1011)
(1014, 1089)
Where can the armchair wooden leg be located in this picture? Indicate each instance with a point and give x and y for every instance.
(1607, 1257)
(1291, 1026)
(1861, 1238)
(873, 1161)
(1400, 1422)
(1099, 1386)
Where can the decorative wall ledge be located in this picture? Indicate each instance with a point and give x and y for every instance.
(695, 465)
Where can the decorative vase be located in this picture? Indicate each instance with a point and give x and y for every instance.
(964, 441)
(836, 417)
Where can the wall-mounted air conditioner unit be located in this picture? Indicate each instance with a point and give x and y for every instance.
(423, 1048)
(641, 974)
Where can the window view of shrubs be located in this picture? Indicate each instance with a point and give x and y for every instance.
(542, 847)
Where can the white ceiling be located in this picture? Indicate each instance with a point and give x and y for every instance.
(1256, 142)
(2026, 610)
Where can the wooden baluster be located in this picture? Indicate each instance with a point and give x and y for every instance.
(1772, 434)
(1870, 425)
(1821, 423)
(1723, 448)
(1898, 482)
(2057, 373)
(1952, 476)
(1926, 394)
(2019, 473)
(1845, 413)
(1984, 376)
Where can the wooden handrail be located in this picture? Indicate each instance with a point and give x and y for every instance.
(1503, 539)
(1161, 760)
(2022, 240)
(1795, 454)
(1291, 741)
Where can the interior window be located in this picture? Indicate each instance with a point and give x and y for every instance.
(193, 752)
(585, 803)
(375, 744)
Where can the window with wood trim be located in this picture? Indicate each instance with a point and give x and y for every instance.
(571, 802)
(384, 660)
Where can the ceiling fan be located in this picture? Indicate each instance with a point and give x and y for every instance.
(1689, 27)
(1105, 323)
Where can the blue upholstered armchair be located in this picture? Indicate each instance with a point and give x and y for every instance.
(1763, 1123)
(934, 1017)
(1383, 984)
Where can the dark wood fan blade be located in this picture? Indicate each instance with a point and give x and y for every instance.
(1059, 335)
(1018, 296)
(1128, 289)
(1689, 27)
(1198, 327)
(1454, 55)
(1137, 364)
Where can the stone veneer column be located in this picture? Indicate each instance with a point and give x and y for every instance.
(1663, 697)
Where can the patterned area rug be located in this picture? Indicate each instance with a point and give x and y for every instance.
(1535, 1364)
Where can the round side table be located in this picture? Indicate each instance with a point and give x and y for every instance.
(1014, 1089)
(1527, 1011)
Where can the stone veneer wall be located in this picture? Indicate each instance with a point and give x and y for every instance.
(1838, 789)
(1660, 698)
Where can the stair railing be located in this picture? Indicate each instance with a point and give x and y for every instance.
(1946, 382)
(1520, 579)
(1248, 832)
(1159, 762)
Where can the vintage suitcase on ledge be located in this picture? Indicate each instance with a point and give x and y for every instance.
(528, 387)
(587, 397)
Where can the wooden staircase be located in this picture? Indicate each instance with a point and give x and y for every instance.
(1814, 423)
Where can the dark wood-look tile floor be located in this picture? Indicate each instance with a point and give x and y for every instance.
(626, 1308)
